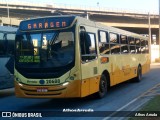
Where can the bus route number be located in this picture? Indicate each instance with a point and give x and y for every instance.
(28, 59)
(53, 81)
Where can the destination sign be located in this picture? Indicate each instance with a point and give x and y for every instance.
(46, 23)
(29, 59)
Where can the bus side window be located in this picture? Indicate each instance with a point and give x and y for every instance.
(10, 39)
(85, 43)
(124, 44)
(88, 46)
(147, 47)
(132, 46)
(143, 46)
(114, 43)
(2, 47)
(103, 42)
(138, 45)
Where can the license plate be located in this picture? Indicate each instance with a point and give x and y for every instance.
(42, 90)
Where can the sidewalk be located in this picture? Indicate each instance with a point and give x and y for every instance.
(155, 63)
(152, 106)
(140, 104)
(148, 101)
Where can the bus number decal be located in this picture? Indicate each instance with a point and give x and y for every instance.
(53, 81)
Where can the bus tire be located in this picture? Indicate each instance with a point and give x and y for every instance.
(102, 87)
(139, 74)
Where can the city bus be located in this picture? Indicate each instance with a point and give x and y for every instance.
(7, 40)
(70, 56)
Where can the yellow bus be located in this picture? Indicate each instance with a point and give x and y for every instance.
(70, 56)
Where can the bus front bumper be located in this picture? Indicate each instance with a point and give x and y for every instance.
(71, 90)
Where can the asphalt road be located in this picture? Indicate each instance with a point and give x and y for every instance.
(117, 98)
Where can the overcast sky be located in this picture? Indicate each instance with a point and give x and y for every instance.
(137, 5)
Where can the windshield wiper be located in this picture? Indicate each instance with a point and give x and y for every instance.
(54, 38)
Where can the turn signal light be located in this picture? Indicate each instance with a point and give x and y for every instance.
(104, 60)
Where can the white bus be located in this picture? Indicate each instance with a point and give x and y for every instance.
(7, 39)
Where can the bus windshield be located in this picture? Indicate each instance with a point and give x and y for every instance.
(45, 51)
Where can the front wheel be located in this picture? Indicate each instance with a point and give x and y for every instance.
(102, 87)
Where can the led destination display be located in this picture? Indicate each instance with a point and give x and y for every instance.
(46, 23)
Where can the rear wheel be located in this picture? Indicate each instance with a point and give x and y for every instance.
(102, 87)
(139, 75)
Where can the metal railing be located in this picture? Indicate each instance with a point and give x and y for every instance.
(75, 7)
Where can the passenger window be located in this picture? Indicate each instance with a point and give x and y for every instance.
(103, 37)
(124, 44)
(103, 43)
(147, 47)
(143, 43)
(88, 46)
(123, 39)
(115, 48)
(11, 36)
(1, 36)
(113, 38)
(132, 46)
(124, 48)
(114, 43)
(92, 47)
(138, 49)
(131, 40)
(138, 42)
(2, 42)
(104, 48)
(138, 45)
(10, 39)
(132, 49)
(143, 46)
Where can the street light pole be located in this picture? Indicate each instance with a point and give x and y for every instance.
(87, 16)
(8, 9)
(98, 6)
(150, 34)
(159, 28)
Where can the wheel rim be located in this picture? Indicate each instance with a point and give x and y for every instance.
(103, 86)
(140, 74)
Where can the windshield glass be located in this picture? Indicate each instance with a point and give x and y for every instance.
(45, 49)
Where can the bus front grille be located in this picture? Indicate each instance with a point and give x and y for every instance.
(42, 94)
(51, 90)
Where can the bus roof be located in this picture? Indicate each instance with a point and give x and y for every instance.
(64, 21)
(84, 21)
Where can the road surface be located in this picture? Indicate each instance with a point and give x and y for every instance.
(118, 97)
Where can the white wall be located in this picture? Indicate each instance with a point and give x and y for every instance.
(154, 52)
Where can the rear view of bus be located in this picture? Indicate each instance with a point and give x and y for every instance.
(45, 58)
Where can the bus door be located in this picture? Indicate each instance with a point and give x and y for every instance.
(89, 63)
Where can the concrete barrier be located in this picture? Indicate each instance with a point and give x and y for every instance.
(10, 21)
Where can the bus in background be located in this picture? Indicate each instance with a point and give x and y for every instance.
(7, 40)
(70, 56)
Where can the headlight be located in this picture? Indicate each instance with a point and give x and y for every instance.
(66, 83)
(20, 84)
